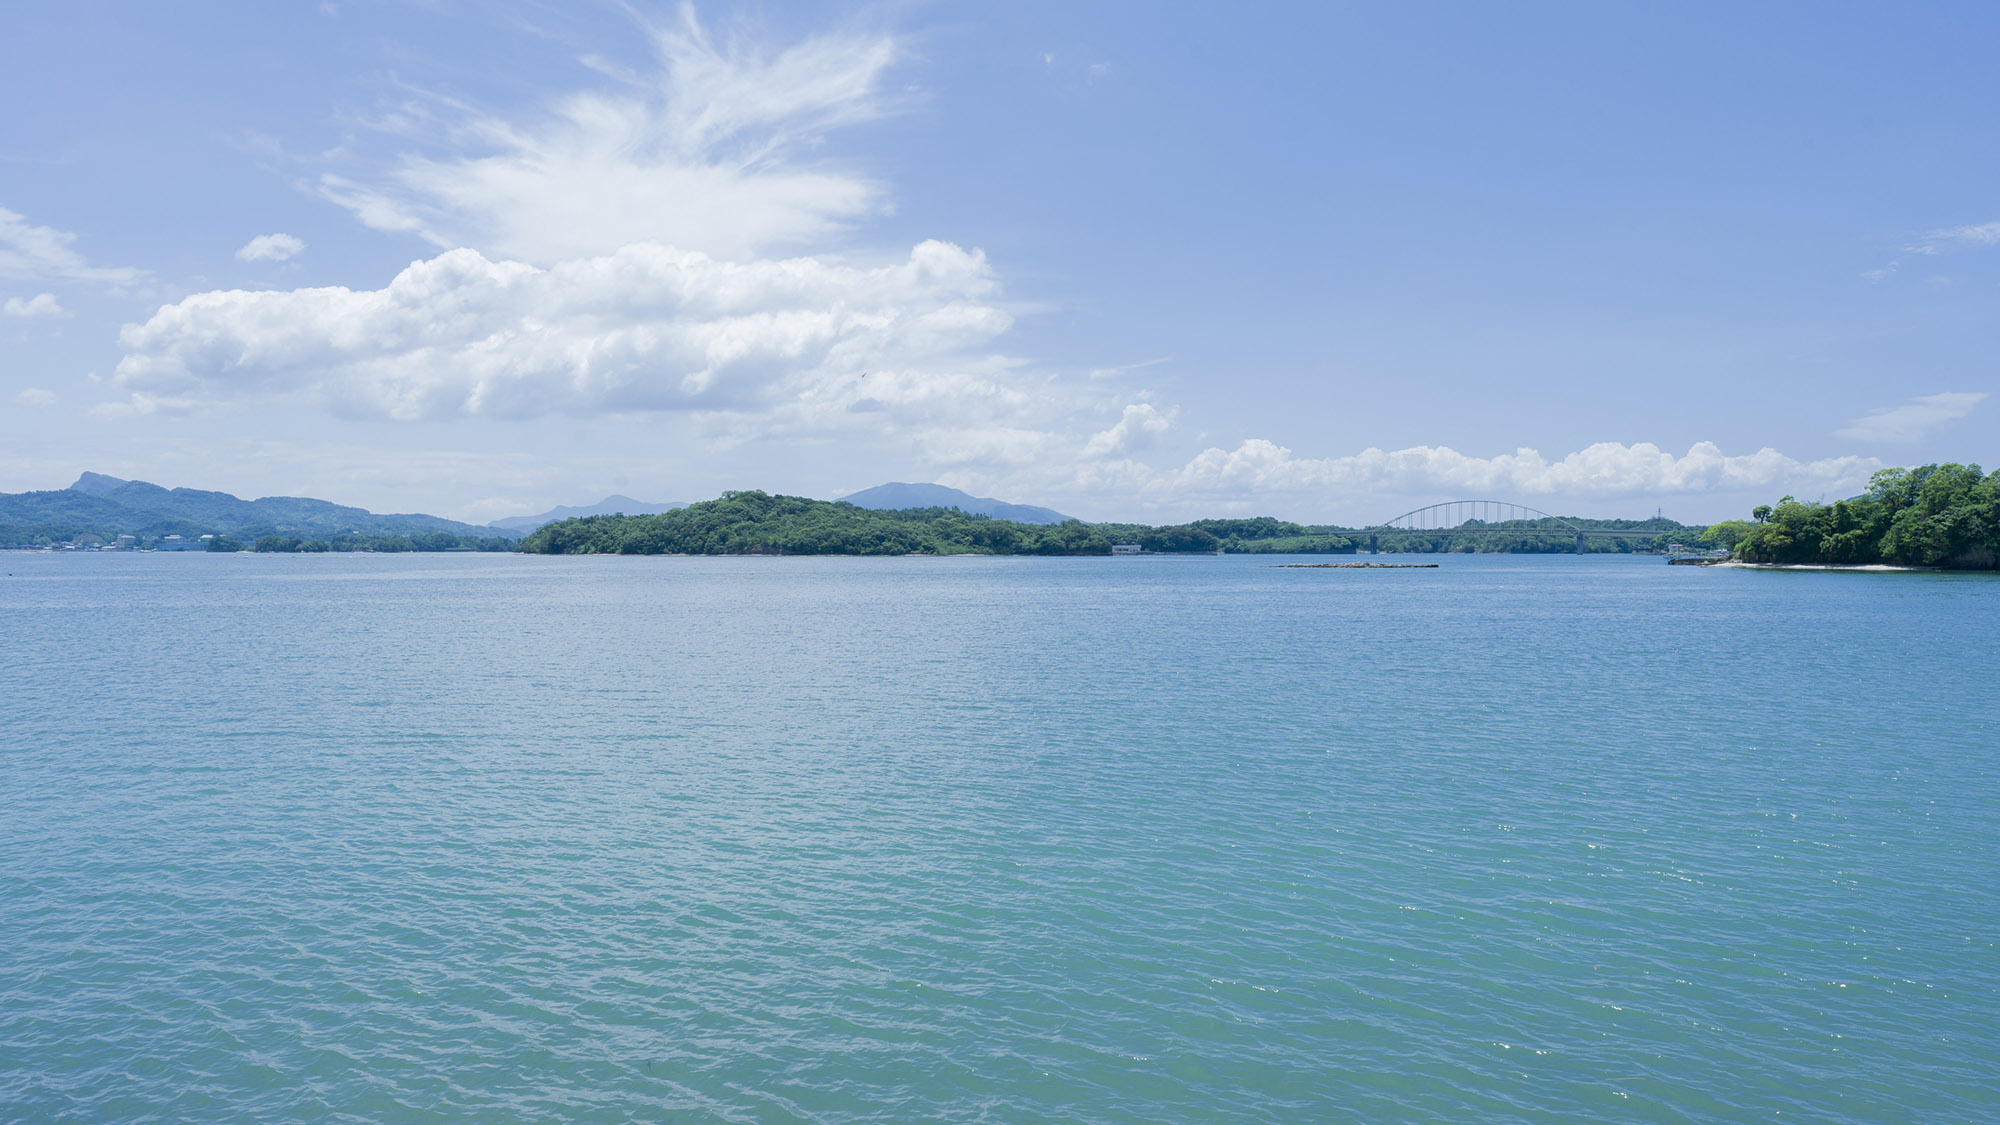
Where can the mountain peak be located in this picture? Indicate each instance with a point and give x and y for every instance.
(97, 484)
(901, 495)
(614, 504)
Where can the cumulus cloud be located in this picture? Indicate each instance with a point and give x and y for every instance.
(40, 306)
(1135, 429)
(704, 154)
(610, 256)
(614, 255)
(29, 252)
(1912, 420)
(1607, 470)
(36, 396)
(271, 248)
(649, 327)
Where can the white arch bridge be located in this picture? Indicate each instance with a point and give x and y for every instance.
(1488, 517)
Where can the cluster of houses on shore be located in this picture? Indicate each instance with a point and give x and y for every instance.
(122, 543)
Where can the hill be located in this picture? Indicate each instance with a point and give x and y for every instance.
(757, 523)
(610, 506)
(897, 496)
(106, 507)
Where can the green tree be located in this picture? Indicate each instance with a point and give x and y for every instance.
(1932, 515)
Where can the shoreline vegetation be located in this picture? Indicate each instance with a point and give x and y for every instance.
(380, 544)
(1934, 516)
(758, 523)
(1938, 517)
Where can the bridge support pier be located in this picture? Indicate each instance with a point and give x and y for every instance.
(1371, 546)
(1579, 544)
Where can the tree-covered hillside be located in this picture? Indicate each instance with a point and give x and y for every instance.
(756, 523)
(103, 508)
(1934, 515)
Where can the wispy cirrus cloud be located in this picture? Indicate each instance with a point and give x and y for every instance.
(705, 153)
(1976, 236)
(36, 253)
(1912, 420)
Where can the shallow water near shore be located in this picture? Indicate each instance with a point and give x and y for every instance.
(445, 838)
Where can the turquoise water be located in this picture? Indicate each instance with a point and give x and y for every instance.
(474, 838)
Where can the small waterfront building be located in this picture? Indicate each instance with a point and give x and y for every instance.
(1124, 548)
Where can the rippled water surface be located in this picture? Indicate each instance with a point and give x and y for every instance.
(451, 838)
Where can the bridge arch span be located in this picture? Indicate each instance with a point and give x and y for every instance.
(1454, 514)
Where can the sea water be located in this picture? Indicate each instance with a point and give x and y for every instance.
(486, 838)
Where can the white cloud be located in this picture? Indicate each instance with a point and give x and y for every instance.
(1974, 237)
(1608, 470)
(647, 328)
(271, 248)
(1128, 368)
(702, 155)
(36, 396)
(1136, 428)
(141, 404)
(29, 252)
(40, 306)
(611, 265)
(613, 257)
(1912, 420)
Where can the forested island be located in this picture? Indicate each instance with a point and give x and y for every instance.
(1934, 515)
(758, 523)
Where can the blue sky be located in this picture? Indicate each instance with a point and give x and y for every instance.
(1323, 261)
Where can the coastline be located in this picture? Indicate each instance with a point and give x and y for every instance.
(1864, 568)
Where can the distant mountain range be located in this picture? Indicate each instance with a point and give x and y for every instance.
(609, 506)
(108, 506)
(899, 495)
